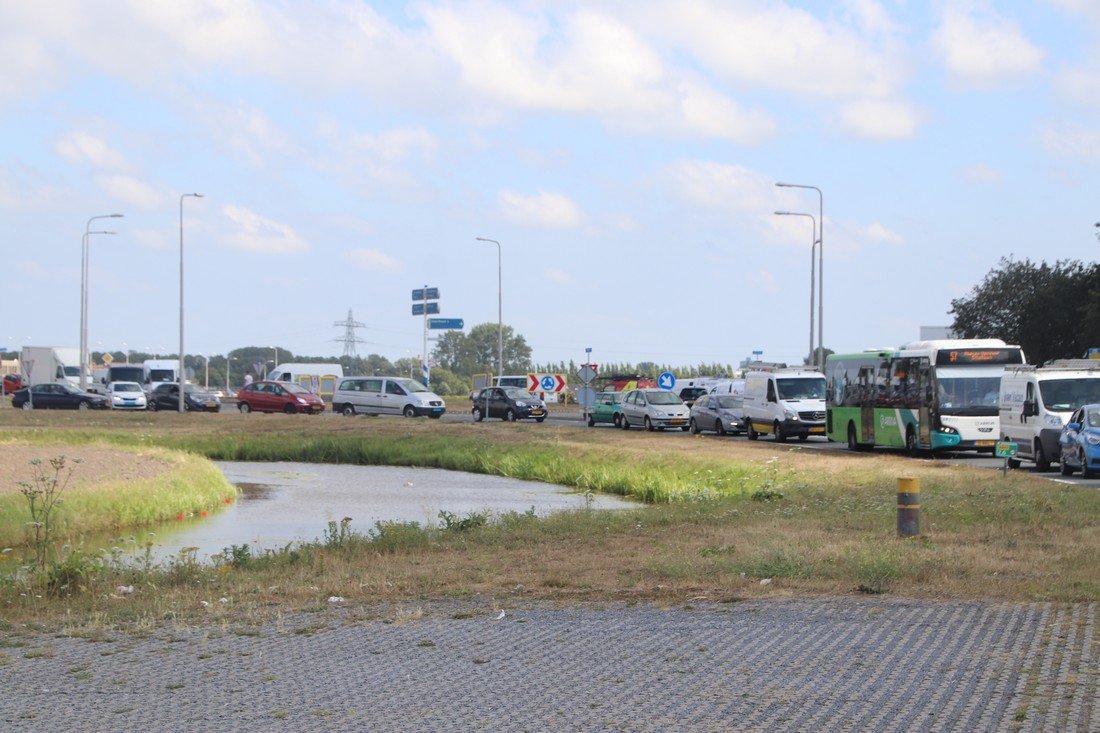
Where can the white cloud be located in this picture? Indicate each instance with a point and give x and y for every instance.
(878, 233)
(256, 233)
(1071, 140)
(984, 51)
(130, 190)
(721, 186)
(981, 173)
(372, 260)
(560, 277)
(880, 119)
(81, 147)
(243, 128)
(541, 211)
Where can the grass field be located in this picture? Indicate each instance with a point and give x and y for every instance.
(723, 516)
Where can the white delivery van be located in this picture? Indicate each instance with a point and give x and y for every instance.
(785, 402)
(51, 364)
(161, 370)
(1035, 402)
(320, 379)
(386, 396)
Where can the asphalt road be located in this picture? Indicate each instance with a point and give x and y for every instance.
(770, 665)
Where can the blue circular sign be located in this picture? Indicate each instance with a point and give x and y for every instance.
(548, 383)
(666, 380)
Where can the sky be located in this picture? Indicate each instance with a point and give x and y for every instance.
(624, 153)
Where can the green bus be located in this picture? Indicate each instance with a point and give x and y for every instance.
(924, 396)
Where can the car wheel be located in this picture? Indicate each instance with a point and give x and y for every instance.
(83, 406)
(539, 419)
(1086, 472)
(289, 409)
(648, 423)
(693, 426)
(780, 436)
(1013, 462)
(623, 422)
(244, 407)
(719, 427)
(410, 411)
(1063, 465)
(152, 406)
(617, 420)
(803, 438)
(750, 431)
(1042, 462)
(348, 410)
(683, 428)
(477, 414)
(28, 406)
(591, 422)
(509, 415)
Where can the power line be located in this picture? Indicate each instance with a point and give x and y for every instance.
(350, 339)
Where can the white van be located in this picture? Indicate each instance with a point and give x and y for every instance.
(386, 396)
(786, 402)
(1035, 402)
(320, 379)
(734, 387)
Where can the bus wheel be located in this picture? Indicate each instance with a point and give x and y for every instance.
(1042, 462)
(853, 445)
(911, 442)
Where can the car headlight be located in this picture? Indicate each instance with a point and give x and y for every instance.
(300, 401)
(1093, 439)
(1052, 421)
(791, 415)
(521, 403)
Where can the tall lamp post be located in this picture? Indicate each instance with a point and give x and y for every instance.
(180, 375)
(500, 309)
(820, 269)
(84, 295)
(228, 359)
(810, 353)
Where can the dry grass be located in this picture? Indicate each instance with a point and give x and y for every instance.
(832, 532)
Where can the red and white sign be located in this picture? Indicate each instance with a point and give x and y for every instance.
(545, 382)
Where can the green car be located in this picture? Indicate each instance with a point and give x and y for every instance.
(606, 409)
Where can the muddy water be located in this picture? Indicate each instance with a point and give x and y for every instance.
(294, 502)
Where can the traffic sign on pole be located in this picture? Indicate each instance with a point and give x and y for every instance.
(587, 373)
(418, 308)
(446, 324)
(545, 382)
(666, 380)
(425, 294)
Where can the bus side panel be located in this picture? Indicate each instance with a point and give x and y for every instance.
(837, 421)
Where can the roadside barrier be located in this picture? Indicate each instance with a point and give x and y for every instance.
(908, 507)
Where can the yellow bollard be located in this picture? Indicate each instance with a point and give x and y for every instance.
(908, 507)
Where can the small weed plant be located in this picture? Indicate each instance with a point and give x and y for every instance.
(43, 494)
(472, 520)
(338, 535)
(770, 485)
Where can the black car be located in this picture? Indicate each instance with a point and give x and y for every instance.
(166, 396)
(507, 403)
(58, 397)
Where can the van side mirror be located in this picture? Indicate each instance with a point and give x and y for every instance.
(1031, 408)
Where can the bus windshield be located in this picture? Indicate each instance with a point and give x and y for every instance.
(1063, 395)
(793, 390)
(975, 396)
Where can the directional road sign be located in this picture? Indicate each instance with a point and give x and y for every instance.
(666, 380)
(446, 324)
(418, 308)
(586, 397)
(1005, 449)
(587, 373)
(431, 294)
(545, 382)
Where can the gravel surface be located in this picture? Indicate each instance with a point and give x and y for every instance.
(776, 665)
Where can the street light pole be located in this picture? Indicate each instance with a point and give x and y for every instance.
(820, 270)
(180, 375)
(813, 245)
(84, 295)
(500, 309)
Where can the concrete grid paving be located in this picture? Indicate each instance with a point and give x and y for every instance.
(770, 665)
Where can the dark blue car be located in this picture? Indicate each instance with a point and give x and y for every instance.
(1080, 442)
(57, 397)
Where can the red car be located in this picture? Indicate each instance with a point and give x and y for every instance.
(285, 397)
(13, 383)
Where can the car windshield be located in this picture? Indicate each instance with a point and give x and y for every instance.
(663, 398)
(975, 396)
(803, 388)
(517, 393)
(126, 387)
(1069, 394)
(294, 388)
(728, 401)
(411, 385)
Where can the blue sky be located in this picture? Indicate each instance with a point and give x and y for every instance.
(624, 153)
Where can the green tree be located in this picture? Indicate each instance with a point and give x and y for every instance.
(475, 352)
(1052, 311)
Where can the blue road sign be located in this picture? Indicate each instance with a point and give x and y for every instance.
(430, 294)
(446, 324)
(666, 380)
(548, 383)
(418, 308)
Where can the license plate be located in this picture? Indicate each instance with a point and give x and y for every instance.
(985, 443)
(818, 429)
(437, 409)
(536, 413)
(676, 421)
(211, 404)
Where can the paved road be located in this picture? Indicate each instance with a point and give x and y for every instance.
(774, 665)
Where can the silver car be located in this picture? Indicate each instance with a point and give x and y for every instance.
(654, 409)
(720, 413)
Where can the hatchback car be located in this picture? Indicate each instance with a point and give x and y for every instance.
(606, 409)
(58, 396)
(507, 403)
(166, 396)
(12, 383)
(267, 396)
(126, 396)
(1080, 442)
(720, 413)
(655, 409)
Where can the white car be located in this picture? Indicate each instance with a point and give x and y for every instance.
(653, 409)
(126, 396)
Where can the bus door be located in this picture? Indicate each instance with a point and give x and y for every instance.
(867, 403)
(924, 412)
